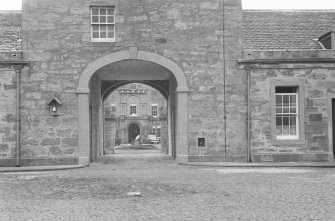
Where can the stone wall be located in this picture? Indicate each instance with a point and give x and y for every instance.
(56, 39)
(7, 114)
(10, 36)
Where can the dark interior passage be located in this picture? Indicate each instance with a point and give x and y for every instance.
(133, 131)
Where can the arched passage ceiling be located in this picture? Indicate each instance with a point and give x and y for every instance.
(133, 70)
(108, 87)
(123, 72)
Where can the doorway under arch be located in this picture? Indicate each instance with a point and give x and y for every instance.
(103, 75)
(133, 131)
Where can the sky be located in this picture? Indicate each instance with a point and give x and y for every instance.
(246, 4)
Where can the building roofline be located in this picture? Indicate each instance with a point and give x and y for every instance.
(288, 10)
(23, 62)
(286, 60)
(10, 11)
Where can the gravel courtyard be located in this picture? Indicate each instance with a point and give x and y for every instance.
(169, 191)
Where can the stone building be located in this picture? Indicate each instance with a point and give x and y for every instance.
(239, 86)
(135, 109)
(290, 71)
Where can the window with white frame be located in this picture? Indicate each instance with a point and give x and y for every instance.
(154, 110)
(156, 130)
(103, 24)
(287, 119)
(112, 107)
(132, 110)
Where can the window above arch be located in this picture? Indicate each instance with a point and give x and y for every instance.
(102, 23)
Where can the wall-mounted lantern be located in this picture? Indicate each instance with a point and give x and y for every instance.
(54, 106)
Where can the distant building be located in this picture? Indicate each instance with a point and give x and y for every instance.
(135, 109)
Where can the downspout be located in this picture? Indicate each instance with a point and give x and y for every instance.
(248, 71)
(18, 118)
(224, 86)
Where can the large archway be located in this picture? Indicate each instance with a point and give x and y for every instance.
(105, 70)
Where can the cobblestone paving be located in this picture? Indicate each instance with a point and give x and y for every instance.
(169, 192)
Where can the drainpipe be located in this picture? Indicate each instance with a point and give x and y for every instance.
(224, 86)
(248, 71)
(18, 118)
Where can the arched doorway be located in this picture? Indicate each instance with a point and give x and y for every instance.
(113, 70)
(133, 131)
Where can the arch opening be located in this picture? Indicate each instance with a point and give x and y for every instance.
(133, 131)
(103, 76)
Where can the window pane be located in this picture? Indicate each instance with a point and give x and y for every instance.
(102, 19)
(293, 99)
(95, 11)
(293, 130)
(110, 28)
(279, 99)
(279, 130)
(279, 110)
(286, 130)
(278, 121)
(103, 27)
(110, 11)
(103, 11)
(285, 109)
(285, 99)
(285, 121)
(95, 35)
(103, 34)
(110, 34)
(110, 19)
(293, 110)
(95, 27)
(95, 19)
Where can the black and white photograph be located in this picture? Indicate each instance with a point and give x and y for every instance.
(167, 110)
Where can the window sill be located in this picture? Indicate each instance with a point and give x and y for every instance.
(103, 40)
(288, 142)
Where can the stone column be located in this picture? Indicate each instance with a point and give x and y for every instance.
(83, 128)
(182, 126)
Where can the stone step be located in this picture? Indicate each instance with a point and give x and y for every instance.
(134, 156)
